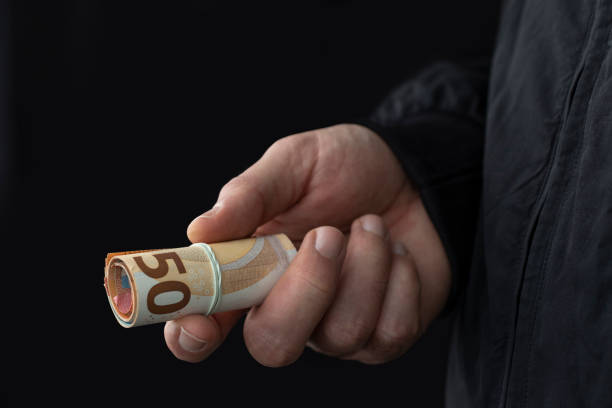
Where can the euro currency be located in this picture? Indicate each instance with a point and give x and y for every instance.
(153, 286)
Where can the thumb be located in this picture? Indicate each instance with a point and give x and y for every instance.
(269, 187)
(194, 337)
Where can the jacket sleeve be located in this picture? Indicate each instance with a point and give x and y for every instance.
(435, 125)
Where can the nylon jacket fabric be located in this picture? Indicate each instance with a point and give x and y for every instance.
(514, 165)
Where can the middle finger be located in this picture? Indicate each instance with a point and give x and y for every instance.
(352, 317)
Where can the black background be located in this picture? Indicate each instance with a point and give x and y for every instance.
(125, 119)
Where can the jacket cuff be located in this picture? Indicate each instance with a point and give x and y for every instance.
(442, 156)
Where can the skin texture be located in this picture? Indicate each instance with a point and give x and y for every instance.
(370, 274)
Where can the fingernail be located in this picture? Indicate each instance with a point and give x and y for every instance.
(171, 328)
(373, 224)
(328, 242)
(399, 248)
(191, 343)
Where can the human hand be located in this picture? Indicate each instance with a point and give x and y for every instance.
(366, 296)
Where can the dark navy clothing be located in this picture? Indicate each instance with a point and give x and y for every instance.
(513, 158)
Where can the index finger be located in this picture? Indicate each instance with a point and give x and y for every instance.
(276, 332)
(267, 188)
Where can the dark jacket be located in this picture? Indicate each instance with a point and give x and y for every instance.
(514, 164)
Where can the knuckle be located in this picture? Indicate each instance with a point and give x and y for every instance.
(346, 337)
(319, 285)
(397, 336)
(268, 349)
(280, 145)
(236, 183)
(293, 142)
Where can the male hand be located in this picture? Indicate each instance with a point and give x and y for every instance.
(370, 274)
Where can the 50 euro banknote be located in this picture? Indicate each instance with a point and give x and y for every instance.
(153, 286)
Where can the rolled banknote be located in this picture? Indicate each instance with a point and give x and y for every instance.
(153, 286)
